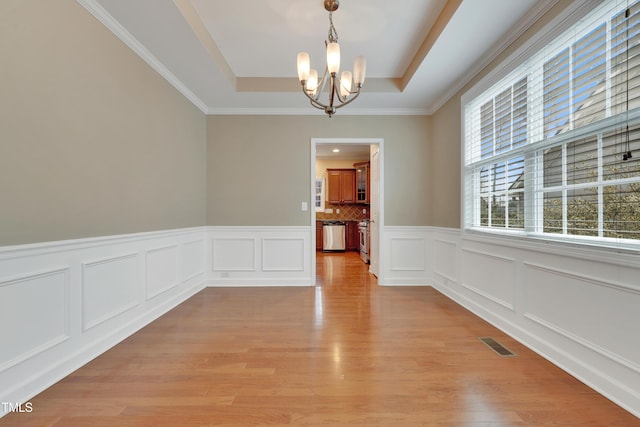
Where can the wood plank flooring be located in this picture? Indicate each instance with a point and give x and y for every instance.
(346, 352)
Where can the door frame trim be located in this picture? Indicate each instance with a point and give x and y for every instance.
(345, 141)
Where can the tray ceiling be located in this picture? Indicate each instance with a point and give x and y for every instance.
(239, 57)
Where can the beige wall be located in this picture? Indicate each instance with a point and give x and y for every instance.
(444, 171)
(92, 141)
(259, 167)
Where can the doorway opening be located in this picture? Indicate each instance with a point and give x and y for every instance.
(364, 206)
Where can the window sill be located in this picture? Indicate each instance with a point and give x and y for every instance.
(580, 246)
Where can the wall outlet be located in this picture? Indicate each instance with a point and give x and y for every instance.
(337, 211)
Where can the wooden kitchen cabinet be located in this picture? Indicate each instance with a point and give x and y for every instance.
(342, 186)
(318, 235)
(352, 236)
(362, 182)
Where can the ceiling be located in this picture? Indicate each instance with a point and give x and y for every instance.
(326, 151)
(239, 57)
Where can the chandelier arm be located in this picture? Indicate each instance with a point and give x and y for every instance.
(322, 84)
(304, 90)
(348, 101)
(320, 106)
(314, 100)
(333, 89)
(317, 105)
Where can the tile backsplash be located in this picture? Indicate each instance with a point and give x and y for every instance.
(347, 212)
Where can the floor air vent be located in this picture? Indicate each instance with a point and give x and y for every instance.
(497, 347)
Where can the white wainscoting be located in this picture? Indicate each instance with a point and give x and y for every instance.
(162, 270)
(64, 303)
(578, 307)
(108, 288)
(34, 311)
(67, 302)
(405, 256)
(259, 256)
(489, 275)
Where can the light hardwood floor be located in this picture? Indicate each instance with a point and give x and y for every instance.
(346, 352)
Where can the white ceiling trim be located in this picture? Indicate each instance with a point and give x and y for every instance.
(119, 31)
(546, 35)
(525, 23)
(315, 112)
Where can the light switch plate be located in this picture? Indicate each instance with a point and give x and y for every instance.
(305, 207)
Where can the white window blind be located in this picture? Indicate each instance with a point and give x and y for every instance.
(553, 149)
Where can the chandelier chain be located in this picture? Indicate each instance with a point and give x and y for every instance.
(333, 34)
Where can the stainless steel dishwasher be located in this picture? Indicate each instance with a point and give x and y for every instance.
(333, 236)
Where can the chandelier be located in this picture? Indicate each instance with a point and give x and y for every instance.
(340, 93)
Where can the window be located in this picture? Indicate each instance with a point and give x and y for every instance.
(319, 194)
(553, 148)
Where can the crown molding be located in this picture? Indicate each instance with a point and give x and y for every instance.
(516, 31)
(127, 38)
(315, 112)
(552, 29)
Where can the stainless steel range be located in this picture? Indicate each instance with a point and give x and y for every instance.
(363, 227)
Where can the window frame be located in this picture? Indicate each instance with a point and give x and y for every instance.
(320, 188)
(488, 89)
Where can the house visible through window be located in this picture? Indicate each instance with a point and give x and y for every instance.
(553, 149)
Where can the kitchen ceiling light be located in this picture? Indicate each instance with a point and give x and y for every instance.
(339, 89)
